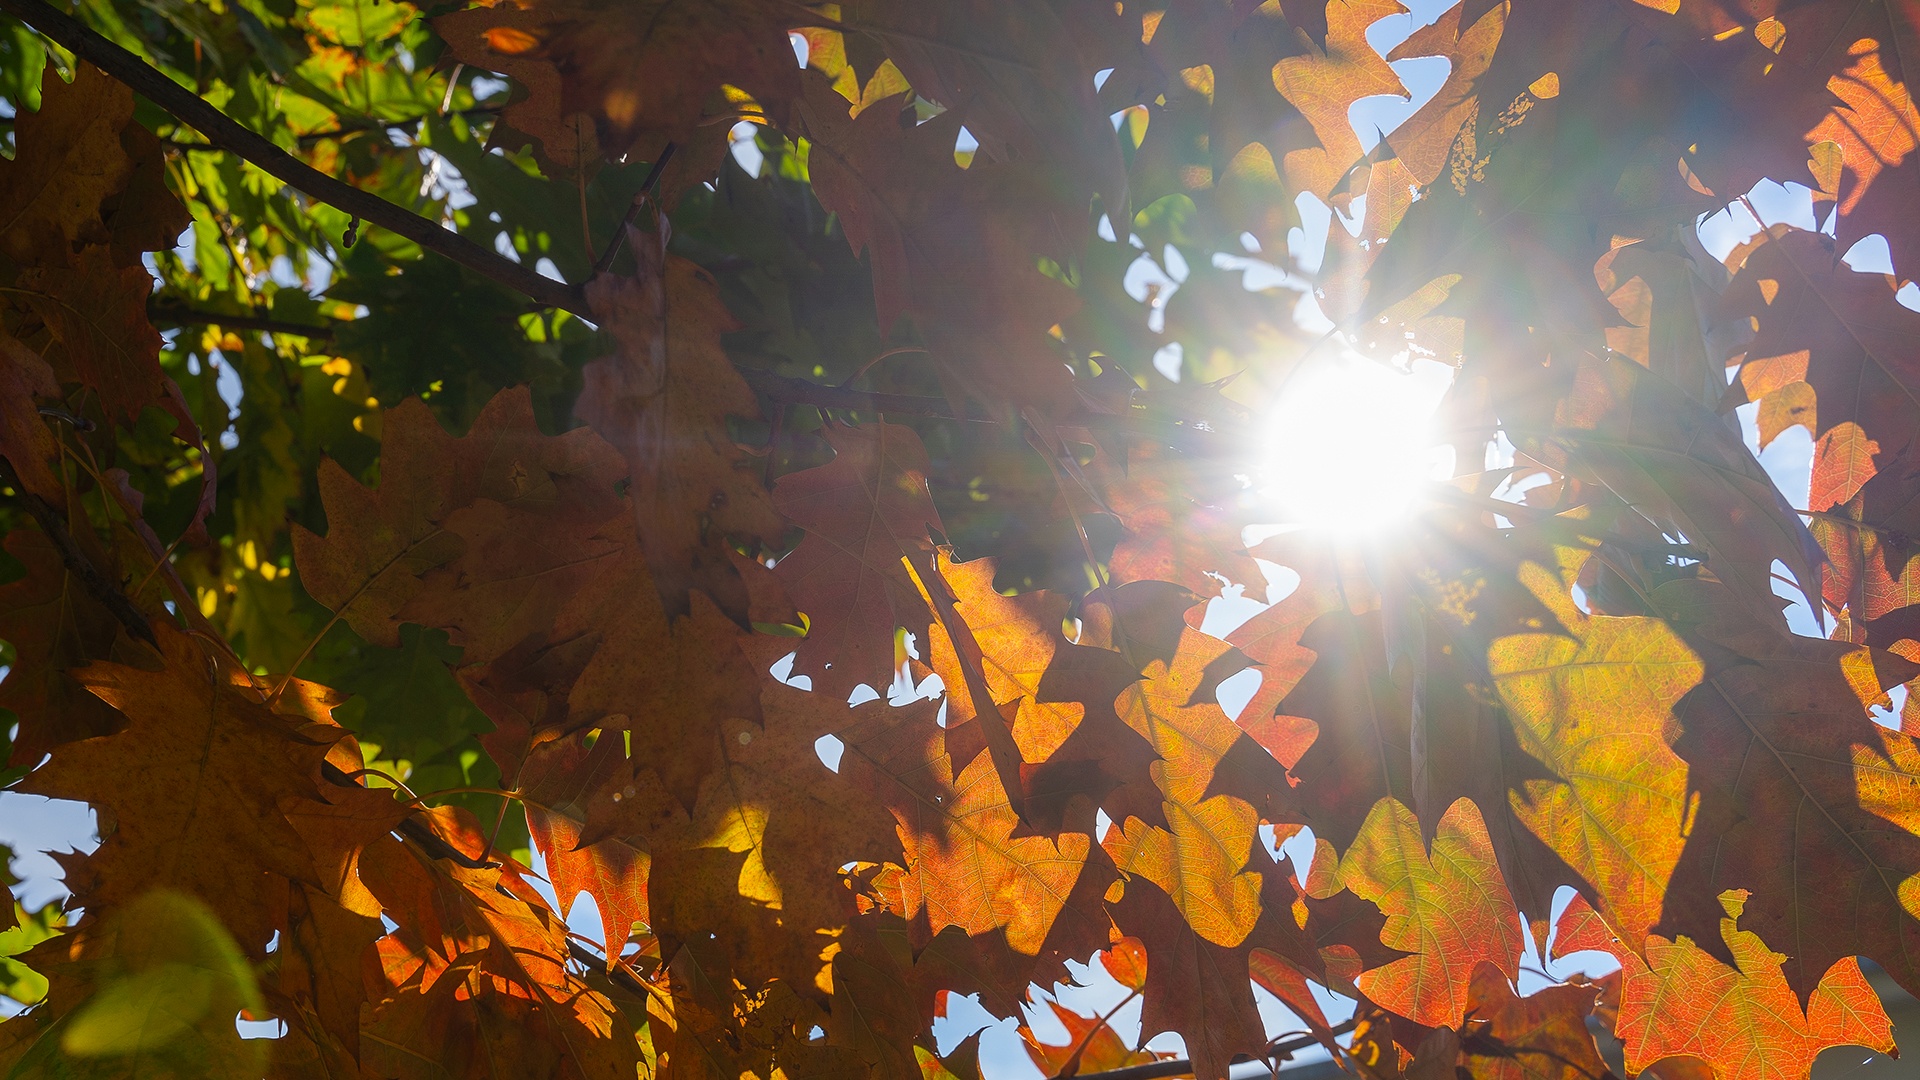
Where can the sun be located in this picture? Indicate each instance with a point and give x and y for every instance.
(1349, 445)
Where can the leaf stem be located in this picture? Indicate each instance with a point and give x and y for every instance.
(464, 791)
(388, 777)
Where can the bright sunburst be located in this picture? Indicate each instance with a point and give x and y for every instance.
(1350, 444)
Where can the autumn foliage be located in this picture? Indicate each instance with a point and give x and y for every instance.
(367, 581)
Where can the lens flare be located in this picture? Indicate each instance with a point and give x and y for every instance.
(1350, 445)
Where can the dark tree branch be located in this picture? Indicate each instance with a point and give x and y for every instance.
(644, 195)
(406, 124)
(1280, 1051)
(787, 391)
(222, 131)
(176, 316)
(80, 566)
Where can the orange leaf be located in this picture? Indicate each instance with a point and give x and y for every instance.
(1447, 907)
(1742, 1019)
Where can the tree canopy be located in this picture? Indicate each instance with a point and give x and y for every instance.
(837, 486)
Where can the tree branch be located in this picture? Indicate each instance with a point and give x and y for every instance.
(77, 563)
(222, 131)
(786, 391)
(1183, 1067)
(166, 313)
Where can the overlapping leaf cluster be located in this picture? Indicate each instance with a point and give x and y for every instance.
(368, 582)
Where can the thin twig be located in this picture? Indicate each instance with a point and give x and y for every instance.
(1183, 1067)
(178, 316)
(221, 130)
(411, 826)
(801, 392)
(388, 777)
(421, 798)
(868, 366)
(1071, 1067)
(82, 567)
(643, 196)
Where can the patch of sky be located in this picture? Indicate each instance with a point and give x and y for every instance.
(829, 749)
(1802, 619)
(1154, 282)
(1170, 360)
(782, 670)
(33, 826)
(583, 916)
(1377, 116)
(1790, 204)
(1888, 714)
(227, 383)
(746, 148)
(1307, 242)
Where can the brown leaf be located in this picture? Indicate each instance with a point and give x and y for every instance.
(1360, 743)
(640, 76)
(1803, 798)
(954, 247)
(1024, 75)
(55, 626)
(381, 542)
(789, 826)
(1665, 455)
(865, 513)
(70, 161)
(663, 400)
(1848, 331)
(97, 311)
(24, 439)
(198, 786)
(1542, 1036)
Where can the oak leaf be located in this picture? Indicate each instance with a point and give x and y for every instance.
(1199, 858)
(199, 784)
(382, 541)
(1803, 798)
(1447, 906)
(1542, 1036)
(1092, 1046)
(864, 512)
(71, 160)
(1595, 706)
(1742, 1019)
(966, 863)
(640, 77)
(55, 626)
(954, 247)
(663, 400)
